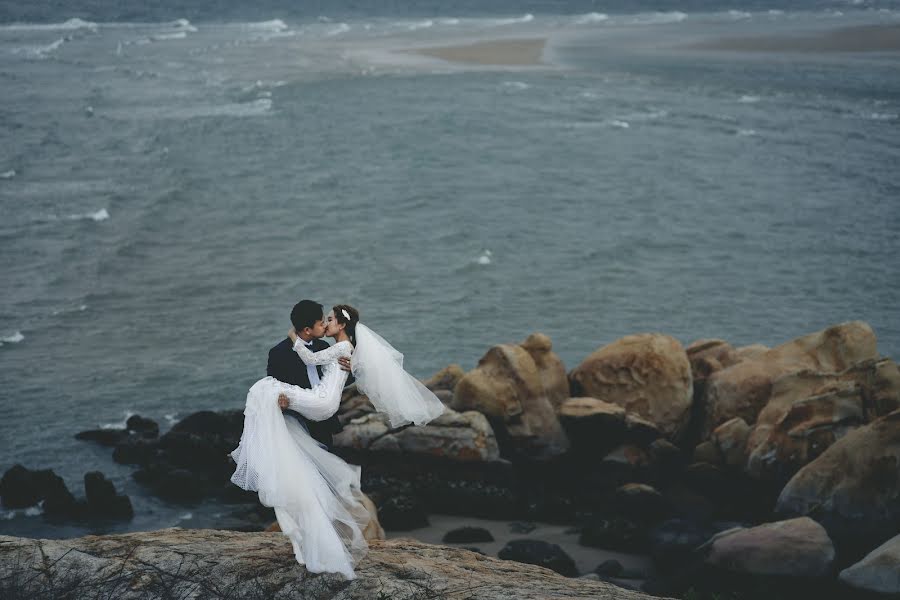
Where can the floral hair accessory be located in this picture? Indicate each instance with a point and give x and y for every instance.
(346, 314)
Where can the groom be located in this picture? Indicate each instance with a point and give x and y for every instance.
(285, 365)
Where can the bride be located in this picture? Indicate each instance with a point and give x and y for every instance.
(316, 495)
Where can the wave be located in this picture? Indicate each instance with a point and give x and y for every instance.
(738, 15)
(100, 215)
(420, 25)
(657, 18)
(70, 25)
(338, 30)
(883, 116)
(8, 174)
(526, 18)
(591, 18)
(31, 511)
(748, 99)
(619, 124)
(185, 25)
(745, 132)
(12, 339)
(120, 424)
(485, 258)
(515, 85)
(161, 37)
(40, 52)
(274, 25)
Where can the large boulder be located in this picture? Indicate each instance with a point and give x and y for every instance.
(592, 425)
(648, 374)
(743, 389)
(879, 571)
(207, 563)
(507, 386)
(445, 379)
(796, 547)
(810, 410)
(465, 436)
(853, 488)
(550, 368)
(708, 356)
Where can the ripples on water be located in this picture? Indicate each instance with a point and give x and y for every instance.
(169, 189)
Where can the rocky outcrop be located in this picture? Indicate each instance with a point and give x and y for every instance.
(743, 389)
(647, 374)
(796, 548)
(21, 487)
(508, 386)
(853, 488)
(808, 411)
(209, 564)
(465, 436)
(879, 571)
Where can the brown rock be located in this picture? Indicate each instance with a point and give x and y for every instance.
(445, 379)
(708, 356)
(507, 385)
(648, 374)
(743, 389)
(854, 486)
(591, 424)
(809, 410)
(707, 452)
(551, 370)
(796, 548)
(731, 439)
(751, 352)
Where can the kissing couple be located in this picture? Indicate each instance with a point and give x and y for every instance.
(316, 495)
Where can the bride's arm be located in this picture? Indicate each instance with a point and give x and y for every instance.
(320, 402)
(322, 357)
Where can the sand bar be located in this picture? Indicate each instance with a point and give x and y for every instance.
(511, 52)
(864, 38)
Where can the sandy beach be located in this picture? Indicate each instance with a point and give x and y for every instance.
(511, 52)
(865, 38)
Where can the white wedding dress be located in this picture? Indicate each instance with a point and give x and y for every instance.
(316, 495)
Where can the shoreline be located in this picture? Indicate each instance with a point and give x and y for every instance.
(519, 52)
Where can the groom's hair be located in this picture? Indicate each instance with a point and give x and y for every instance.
(305, 313)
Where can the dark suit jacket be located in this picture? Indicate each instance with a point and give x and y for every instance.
(285, 365)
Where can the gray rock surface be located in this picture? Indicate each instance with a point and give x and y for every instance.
(201, 564)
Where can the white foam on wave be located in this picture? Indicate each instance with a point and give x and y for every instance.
(748, 99)
(31, 511)
(185, 25)
(273, 25)
(59, 311)
(515, 85)
(161, 37)
(738, 15)
(8, 174)
(883, 116)
(658, 18)
(619, 124)
(119, 425)
(591, 18)
(485, 258)
(40, 52)
(12, 339)
(338, 30)
(99, 215)
(526, 18)
(70, 25)
(745, 132)
(428, 24)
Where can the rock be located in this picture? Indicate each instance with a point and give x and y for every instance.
(640, 431)
(707, 452)
(508, 386)
(592, 425)
(751, 352)
(174, 484)
(731, 440)
(641, 502)
(709, 356)
(808, 411)
(610, 568)
(142, 426)
(613, 533)
(551, 370)
(648, 374)
(181, 563)
(522, 527)
(796, 548)
(853, 487)
(402, 513)
(743, 389)
(536, 552)
(464, 437)
(104, 437)
(445, 379)
(666, 455)
(468, 535)
(626, 464)
(879, 571)
(21, 487)
(673, 542)
(102, 500)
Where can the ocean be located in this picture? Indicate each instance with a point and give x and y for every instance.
(173, 180)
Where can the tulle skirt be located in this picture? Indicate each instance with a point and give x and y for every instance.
(315, 494)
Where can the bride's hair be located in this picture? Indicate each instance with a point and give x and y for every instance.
(339, 311)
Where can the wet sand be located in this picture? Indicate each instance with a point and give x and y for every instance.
(864, 38)
(586, 559)
(512, 52)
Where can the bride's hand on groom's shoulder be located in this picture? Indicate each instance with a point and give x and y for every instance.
(292, 333)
